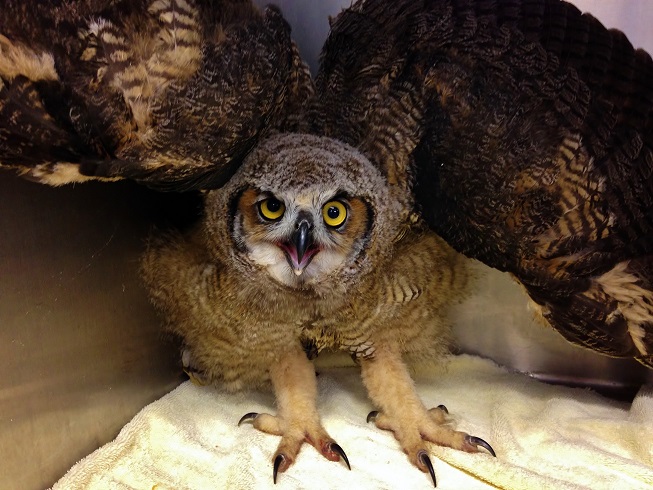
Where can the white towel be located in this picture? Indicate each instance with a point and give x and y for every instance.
(545, 437)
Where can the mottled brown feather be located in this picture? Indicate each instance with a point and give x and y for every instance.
(172, 93)
(526, 130)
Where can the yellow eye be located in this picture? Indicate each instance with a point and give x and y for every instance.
(334, 213)
(271, 209)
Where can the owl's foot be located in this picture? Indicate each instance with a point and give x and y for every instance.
(293, 435)
(293, 380)
(391, 388)
(412, 430)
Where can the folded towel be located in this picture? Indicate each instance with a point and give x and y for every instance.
(545, 437)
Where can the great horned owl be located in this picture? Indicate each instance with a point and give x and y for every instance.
(306, 249)
(520, 131)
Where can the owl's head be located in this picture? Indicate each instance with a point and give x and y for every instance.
(309, 212)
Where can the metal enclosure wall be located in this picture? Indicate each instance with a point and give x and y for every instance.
(80, 347)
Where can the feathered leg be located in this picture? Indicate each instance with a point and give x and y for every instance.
(295, 387)
(391, 388)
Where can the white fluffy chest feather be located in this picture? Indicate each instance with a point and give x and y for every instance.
(273, 259)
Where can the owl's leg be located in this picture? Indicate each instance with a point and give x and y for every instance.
(295, 388)
(391, 388)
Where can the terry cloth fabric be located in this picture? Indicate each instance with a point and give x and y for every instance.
(545, 437)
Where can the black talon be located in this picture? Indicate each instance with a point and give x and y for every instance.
(247, 417)
(443, 408)
(336, 448)
(426, 461)
(477, 441)
(372, 415)
(275, 468)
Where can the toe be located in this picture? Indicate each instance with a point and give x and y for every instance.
(336, 448)
(381, 420)
(474, 442)
(334, 452)
(248, 417)
(263, 422)
(281, 463)
(439, 414)
(426, 465)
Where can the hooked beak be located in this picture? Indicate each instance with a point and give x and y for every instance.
(300, 250)
(302, 239)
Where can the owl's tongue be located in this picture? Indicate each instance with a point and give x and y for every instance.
(296, 261)
(300, 250)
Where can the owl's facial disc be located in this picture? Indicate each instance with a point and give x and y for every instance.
(300, 249)
(305, 240)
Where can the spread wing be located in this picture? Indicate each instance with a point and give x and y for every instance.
(525, 132)
(171, 93)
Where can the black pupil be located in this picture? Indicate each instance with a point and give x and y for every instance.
(333, 212)
(274, 205)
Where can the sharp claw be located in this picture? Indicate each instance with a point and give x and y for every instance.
(426, 461)
(443, 408)
(477, 441)
(372, 415)
(275, 468)
(337, 449)
(247, 417)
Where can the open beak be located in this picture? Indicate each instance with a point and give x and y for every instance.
(300, 250)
